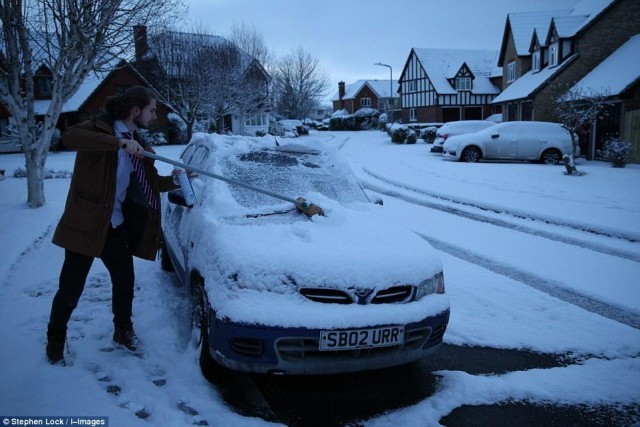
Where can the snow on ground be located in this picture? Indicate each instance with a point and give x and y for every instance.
(489, 309)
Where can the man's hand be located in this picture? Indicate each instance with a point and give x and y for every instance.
(132, 147)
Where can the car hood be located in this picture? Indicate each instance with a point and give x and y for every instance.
(349, 247)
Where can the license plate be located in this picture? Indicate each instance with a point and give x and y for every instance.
(354, 339)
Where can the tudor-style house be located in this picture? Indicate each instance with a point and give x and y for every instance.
(544, 54)
(443, 85)
(378, 94)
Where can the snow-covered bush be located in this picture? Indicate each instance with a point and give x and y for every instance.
(177, 129)
(412, 137)
(399, 134)
(429, 134)
(46, 173)
(260, 133)
(617, 152)
(153, 138)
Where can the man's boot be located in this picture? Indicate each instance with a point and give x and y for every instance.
(127, 337)
(55, 346)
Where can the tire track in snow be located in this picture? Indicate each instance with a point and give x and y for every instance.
(442, 206)
(551, 288)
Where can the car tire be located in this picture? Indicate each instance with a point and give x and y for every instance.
(551, 156)
(199, 323)
(165, 260)
(471, 155)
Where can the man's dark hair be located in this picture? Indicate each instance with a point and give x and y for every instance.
(119, 106)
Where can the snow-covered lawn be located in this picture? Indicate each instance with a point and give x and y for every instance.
(498, 279)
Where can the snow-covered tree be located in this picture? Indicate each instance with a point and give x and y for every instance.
(299, 83)
(206, 76)
(65, 39)
(578, 109)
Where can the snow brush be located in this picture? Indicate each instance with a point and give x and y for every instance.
(300, 203)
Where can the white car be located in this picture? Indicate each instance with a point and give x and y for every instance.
(535, 141)
(274, 291)
(461, 127)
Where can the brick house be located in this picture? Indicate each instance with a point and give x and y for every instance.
(90, 97)
(442, 85)
(543, 54)
(378, 94)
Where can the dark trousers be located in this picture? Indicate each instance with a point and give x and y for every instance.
(117, 258)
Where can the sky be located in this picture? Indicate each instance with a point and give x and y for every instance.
(493, 288)
(349, 36)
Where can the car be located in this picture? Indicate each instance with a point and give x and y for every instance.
(546, 142)
(277, 292)
(457, 128)
(10, 145)
(291, 127)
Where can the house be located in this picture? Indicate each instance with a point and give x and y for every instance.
(442, 85)
(378, 94)
(545, 54)
(90, 97)
(234, 113)
(624, 90)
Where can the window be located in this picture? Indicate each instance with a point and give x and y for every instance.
(535, 66)
(511, 72)
(412, 86)
(412, 115)
(255, 120)
(553, 54)
(463, 83)
(365, 102)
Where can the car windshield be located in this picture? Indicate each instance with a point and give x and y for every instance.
(291, 174)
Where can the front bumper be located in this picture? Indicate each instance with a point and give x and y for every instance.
(294, 351)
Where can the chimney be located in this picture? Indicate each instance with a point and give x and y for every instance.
(341, 90)
(140, 39)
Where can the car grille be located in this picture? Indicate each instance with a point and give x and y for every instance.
(306, 349)
(394, 294)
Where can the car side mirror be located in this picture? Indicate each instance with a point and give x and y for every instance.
(176, 197)
(495, 136)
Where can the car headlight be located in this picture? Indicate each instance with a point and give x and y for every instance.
(434, 285)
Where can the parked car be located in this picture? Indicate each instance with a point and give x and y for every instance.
(295, 127)
(536, 141)
(457, 128)
(274, 291)
(10, 145)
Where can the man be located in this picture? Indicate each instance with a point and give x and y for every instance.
(112, 212)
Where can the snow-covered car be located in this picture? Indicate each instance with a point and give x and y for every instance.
(275, 291)
(292, 128)
(457, 128)
(10, 145)
(536, 141)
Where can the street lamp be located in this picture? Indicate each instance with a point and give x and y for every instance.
(390, 89)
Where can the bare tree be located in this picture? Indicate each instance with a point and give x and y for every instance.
(578, 109)
(207, 76)
(70, 38)
(299, 83)
(252, 42)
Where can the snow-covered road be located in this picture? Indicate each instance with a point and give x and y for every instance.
(515, 282)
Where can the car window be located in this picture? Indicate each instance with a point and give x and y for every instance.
(291, 174)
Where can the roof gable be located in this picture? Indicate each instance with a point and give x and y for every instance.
(441, 65)
(380, 87)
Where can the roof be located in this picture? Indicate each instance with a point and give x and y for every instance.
(185, 42)
(617, 73)
(380, 87)
(88, 86)
(443, 64)
(522, 25)
(529, 82)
